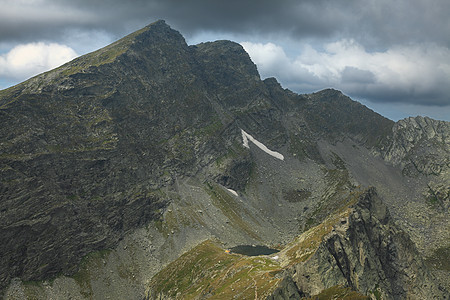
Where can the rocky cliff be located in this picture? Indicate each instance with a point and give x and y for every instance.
(118, 162)
(367, 252)
(421, 147)
(420, 144)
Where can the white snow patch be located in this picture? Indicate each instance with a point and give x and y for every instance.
(276, 257)
(246, 137)
(233, 192)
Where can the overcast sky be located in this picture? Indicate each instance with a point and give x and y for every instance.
(391, 55)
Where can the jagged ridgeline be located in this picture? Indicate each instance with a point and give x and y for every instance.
(119, 165)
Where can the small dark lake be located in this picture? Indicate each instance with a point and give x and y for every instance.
(251, 250)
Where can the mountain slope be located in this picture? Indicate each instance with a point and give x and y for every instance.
(358, 246)
(137, 149)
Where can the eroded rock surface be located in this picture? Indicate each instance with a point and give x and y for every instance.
(368, 253)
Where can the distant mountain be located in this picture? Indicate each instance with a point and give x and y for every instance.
(118, 162)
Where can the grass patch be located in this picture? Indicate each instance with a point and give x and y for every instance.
(376, 292)
(210, 130)
(304, 246)
(102, 56)
(207, 271)
(440, 258)
(338, 162)
(72, 197)
(83, 277)
(436, 197)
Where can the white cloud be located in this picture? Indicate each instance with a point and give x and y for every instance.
(26, 60)
(415, 74)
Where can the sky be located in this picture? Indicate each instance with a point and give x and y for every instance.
(391, 55)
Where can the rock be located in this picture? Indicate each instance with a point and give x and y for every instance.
(286, 290)
(369, 254)
(419, 145)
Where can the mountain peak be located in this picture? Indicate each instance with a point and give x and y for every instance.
(156, 32)
(158, 24)
(157, 37)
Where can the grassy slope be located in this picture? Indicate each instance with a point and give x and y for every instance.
(209, 271)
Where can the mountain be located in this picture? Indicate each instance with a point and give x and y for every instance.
(120, 163)
(356, 251)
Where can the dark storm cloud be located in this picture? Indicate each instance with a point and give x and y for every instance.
(372, 22)
(51, 17)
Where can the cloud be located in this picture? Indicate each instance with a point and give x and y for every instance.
(27, 60)
(373, 23)
(417, 74)
(353, 75)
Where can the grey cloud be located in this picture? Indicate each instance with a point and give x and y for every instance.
(355, 75)
(373, 23)
(383, 94)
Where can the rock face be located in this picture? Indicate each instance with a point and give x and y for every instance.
(420, 145)
(141, 143)
(369, 253)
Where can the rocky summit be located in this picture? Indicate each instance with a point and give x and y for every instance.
(129, 173)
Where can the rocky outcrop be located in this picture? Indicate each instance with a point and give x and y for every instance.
(287, 289)
(420, 145)
(368, 253)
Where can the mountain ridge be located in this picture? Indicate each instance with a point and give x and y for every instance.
(92, 154)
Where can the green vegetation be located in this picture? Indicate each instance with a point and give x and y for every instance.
(83, 277)
(72, 197)
(440, 258)
(376, 292)
(339, 163)
(10, 95)
(210, 130)
(207, 270)
(173, 220)
(102, 56)
(236, 151)
(435, 199)
(307, 243)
